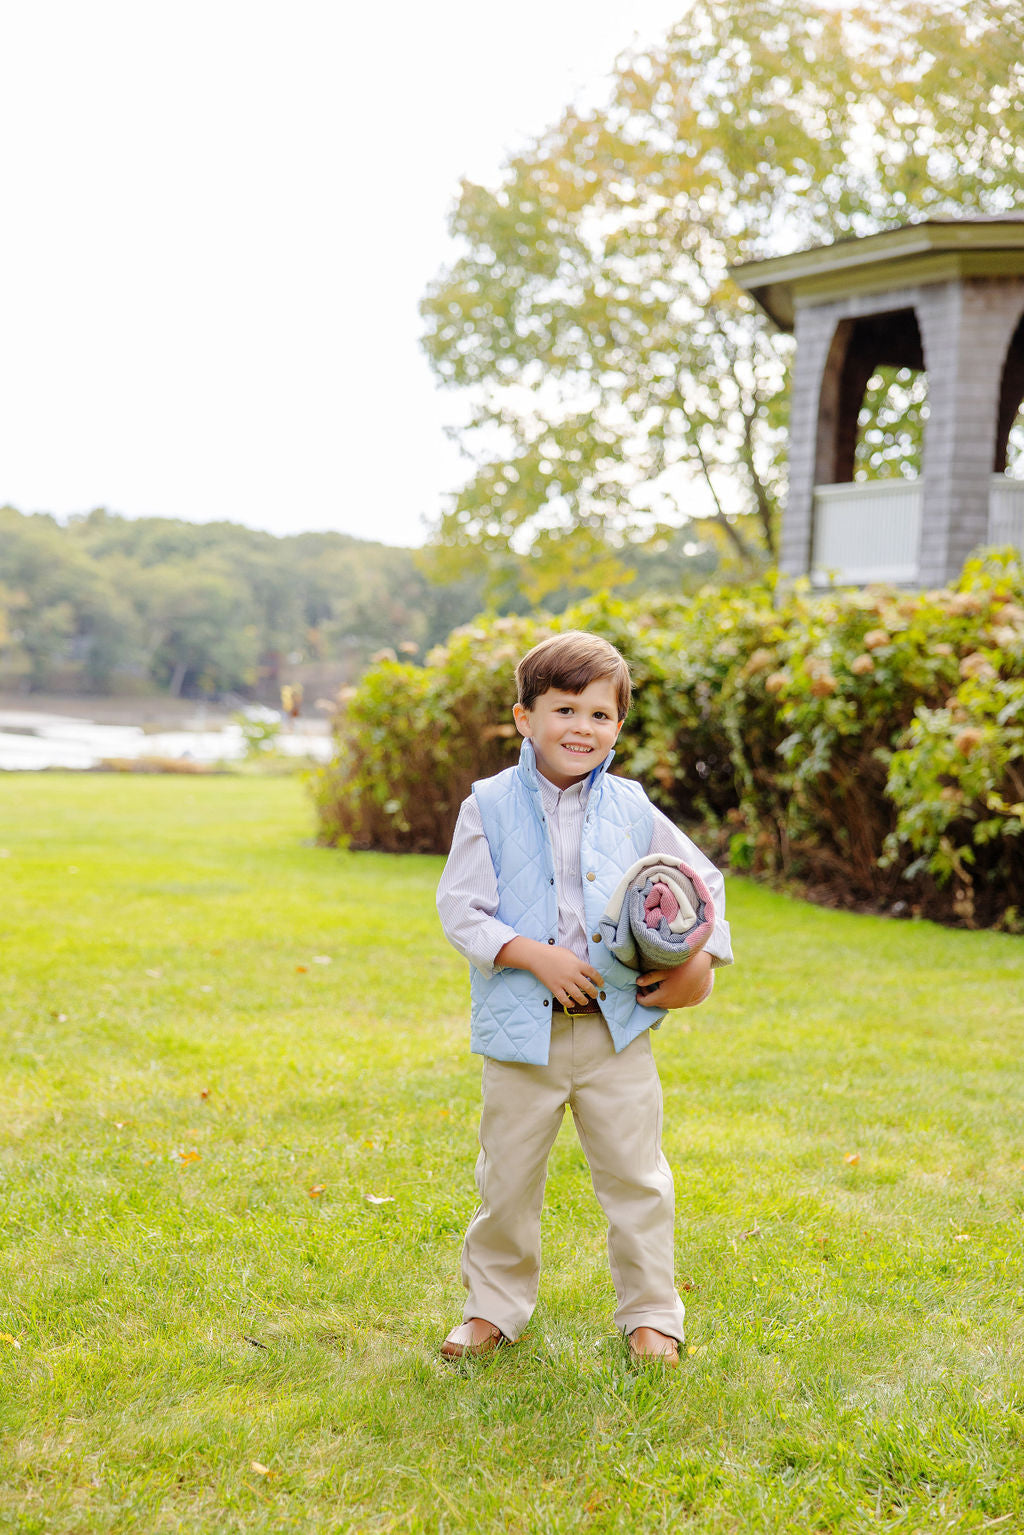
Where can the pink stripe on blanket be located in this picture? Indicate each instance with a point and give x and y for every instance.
(660, 903)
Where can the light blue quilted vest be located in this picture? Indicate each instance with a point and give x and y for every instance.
(511, 1012)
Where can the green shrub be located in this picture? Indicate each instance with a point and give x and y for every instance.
(866, 742)
(958, 775)
(412, 739)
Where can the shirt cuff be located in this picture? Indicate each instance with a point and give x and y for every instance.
(719, 945)
(487, 944)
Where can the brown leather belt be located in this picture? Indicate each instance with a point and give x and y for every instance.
(576, 1010)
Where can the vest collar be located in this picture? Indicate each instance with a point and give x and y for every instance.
(527, 769)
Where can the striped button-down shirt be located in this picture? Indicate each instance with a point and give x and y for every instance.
(467, 897)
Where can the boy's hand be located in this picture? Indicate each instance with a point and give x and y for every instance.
(567, 978)
(683, 986)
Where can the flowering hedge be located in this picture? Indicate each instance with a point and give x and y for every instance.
(869, 743)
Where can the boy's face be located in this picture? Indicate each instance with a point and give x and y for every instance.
(571, 732)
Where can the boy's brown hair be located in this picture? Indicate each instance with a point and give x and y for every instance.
(570, 662)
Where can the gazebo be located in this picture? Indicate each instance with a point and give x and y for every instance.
(946, 296)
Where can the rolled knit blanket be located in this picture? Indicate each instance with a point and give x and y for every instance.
(660, 914)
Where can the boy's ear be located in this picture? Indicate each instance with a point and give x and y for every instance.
(522, 719)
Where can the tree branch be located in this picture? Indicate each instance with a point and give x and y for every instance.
(765, 505)
(693, 432)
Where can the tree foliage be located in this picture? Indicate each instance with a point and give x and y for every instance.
(890, 436)
(205, 608)
(617, 376)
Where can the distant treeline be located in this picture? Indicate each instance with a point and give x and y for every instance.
(106, 603)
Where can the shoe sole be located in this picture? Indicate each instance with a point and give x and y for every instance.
(476, 1351)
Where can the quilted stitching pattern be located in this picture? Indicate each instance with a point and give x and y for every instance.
(510, 1021)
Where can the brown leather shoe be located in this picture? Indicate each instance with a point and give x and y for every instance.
(474, 1338)
(649, 1345)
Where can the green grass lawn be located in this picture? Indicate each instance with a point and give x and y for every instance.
(180, 1068)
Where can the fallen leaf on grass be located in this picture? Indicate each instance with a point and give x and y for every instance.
(9, 1339)
(155, 974)
(379, 1199)
(852, 1158)
(962, 1236)
(317, 1190)
(204, 1092)
(189, 1156)
(822, 1242)
(302, 969)
(321, 959)
(260, 1469)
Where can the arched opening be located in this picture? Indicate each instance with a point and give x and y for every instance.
(1009, 454)
(871, 415)
(873, 399)
(1006, 493)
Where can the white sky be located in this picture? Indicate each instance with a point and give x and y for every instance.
(218, 217)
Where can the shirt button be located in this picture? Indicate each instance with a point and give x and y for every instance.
(602, 995)
(551, 940)
(596, 937)
(546, 1002)
(591, 874)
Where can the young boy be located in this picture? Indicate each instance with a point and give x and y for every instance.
(537, 851)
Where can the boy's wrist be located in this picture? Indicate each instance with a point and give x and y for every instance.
(519, 953)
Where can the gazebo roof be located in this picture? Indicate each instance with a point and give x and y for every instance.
(934, 250)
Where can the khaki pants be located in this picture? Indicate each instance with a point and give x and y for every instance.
(617, 1107)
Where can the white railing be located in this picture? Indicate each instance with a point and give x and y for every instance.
(870, 530)
(1006, 511)
(867, 531)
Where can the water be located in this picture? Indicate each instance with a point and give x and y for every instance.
(30, 741)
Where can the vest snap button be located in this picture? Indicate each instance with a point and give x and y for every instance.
(551, 940)
(591, 874)
(546, 1002)
(596, 937)
(602, 995)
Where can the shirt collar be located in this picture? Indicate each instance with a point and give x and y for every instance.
(551, 796)
(533, 780)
